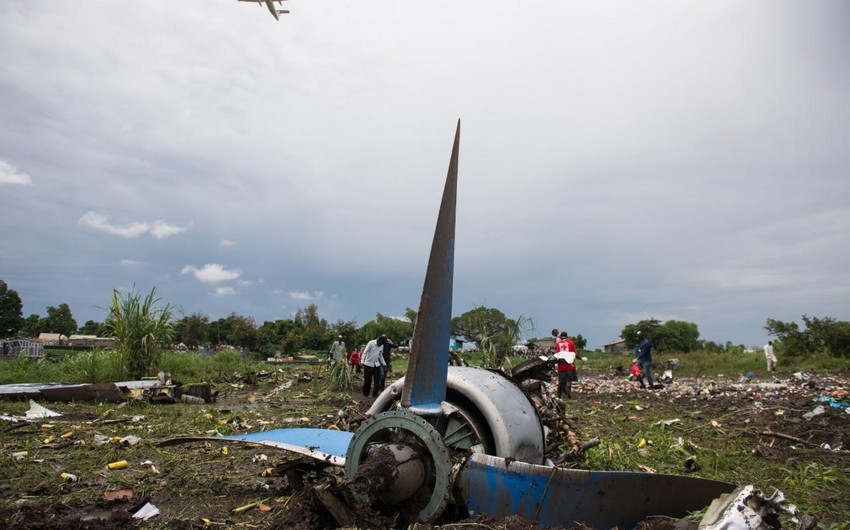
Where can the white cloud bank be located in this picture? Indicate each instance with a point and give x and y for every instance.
(306, 295)
(9, 174)
(157, 229)
(211, 273)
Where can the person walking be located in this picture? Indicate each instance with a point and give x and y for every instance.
(644, 360)
(386, 352)
(337, 350)
(565, 363)
(769, 356)
(372, 359)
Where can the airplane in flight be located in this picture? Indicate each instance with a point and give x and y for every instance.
(270, 4)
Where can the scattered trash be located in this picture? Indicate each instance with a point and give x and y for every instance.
(147, 511)
(667, 378)
(20, 456)
(250, 506)
(121, 495)
(100, 440)
(68, 477)
(35, 412)
(691, 464)
(120, 464)
(129, 441)
(674, 364)
(834, 402)
(816, 412)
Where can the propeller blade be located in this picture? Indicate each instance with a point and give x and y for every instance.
(552, 496)
(425, 380)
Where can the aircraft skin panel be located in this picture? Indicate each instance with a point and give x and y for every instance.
(327, 445)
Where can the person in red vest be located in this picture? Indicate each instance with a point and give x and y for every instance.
(565, 362)
(354, 360)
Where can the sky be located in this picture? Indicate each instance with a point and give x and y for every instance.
(619, 160)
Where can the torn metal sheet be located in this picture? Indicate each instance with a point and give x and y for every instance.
(111, 392)
(747, 508)
(320, 444)
(553, 496)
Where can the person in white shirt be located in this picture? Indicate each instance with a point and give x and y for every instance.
(337, 350)
(769, 356)
(372, 360)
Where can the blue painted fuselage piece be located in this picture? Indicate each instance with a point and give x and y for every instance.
(321, 444)
(560, 497)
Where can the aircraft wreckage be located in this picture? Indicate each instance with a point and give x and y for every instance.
(453, 442)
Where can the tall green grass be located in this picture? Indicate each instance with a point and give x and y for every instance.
(103, 366)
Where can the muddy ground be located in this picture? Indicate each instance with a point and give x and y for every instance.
(762, 431)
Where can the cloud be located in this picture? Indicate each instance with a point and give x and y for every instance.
(211, 273)
(129, 262)
(225, 291)
(9, 174)
(224, 243)
(161, 230)
(305, 295)
(100, 222)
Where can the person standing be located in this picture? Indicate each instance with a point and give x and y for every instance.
(769, 356)
(565, 363)
(337, 350)
(354, 360)
(644, 360)
(372, 359)
(386, 352)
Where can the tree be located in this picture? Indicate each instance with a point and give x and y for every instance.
(495, 333)
(314, 330)
(479, 323)
(140, 327)
(243, 331)
(11, 311)
(822, 335)
(397, 329)
(195, 330)
(679, 336)
(648, 328)
(90, 328)
(31, 326)
(348, 330)
(672, 336)
(272, 336)
(580, 342)
(60, 320)
(411, 315)
(218, 331)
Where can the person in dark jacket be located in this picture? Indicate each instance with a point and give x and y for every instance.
(388, 346)
(644, 360)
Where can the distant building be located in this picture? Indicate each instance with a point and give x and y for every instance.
(91, 341)
(545, 343)
(51, 339)
(617, 346)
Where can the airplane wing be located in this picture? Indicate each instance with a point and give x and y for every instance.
(270, 4)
